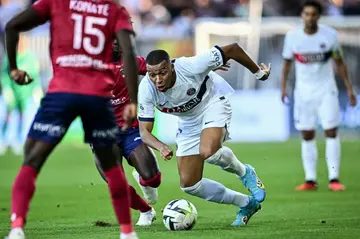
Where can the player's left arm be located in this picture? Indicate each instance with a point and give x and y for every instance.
(238, 54)
(25, 21)
(343, 72)
(36, 15)
(217, 57)
(141, 65)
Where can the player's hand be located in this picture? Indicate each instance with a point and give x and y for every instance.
(224, 67)
(166, 152)
(129, 115)
(266, 69)
(20, 77)
(284, 97)
(352, 98)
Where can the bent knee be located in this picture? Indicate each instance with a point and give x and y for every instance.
(331, 133)
(191, 187)
(34, 160)
(207, 152)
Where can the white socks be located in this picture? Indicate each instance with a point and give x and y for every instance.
(226, 159)
(215, 192)
(309, 156)
(332, 154)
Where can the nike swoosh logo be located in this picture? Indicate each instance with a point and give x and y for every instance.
(161, 105)
(208, 122)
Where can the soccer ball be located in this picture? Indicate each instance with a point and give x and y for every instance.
(179, 215)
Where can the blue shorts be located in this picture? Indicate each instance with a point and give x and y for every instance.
(128, 140)
(58, 110)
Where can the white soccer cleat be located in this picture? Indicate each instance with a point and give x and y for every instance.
(16, 233)
(128, 236)
(150, 194)
(146, 218)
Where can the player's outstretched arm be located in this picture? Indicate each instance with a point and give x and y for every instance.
(284, 79)
(235, 52)
(342, 69)
(125, 39)
(25, 21)
(150, 140)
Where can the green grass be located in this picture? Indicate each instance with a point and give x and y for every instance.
(71, 196)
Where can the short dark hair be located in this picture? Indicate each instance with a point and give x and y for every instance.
(313, 3)
(156, 57)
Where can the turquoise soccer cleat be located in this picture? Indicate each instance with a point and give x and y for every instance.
(245, 213)
(253, 183)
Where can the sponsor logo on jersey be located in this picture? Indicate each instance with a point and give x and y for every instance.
(190, 104)
(313, 57)
(191, 91)
(118, 101)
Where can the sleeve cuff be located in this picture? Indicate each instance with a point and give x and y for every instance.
(222, 54)
(146, 119)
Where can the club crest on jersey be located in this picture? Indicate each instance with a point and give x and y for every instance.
(191, 91)
(322, 45)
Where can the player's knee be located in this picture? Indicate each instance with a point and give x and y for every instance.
(153, 182)
(34, 160)
(208, 152)
(192, 188)
(308, 135)
(331, 133)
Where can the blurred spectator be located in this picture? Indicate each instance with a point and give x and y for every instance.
(20, 100)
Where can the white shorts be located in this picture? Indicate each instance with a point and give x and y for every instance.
(217, 114)
(325, 108)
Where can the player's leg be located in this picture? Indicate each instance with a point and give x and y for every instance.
(190, 169)
(190, 166)
(305, 117)
(147, 214)
(329, 114)
(147, 173)
(101, 130)
(214, 133)
(49, 126)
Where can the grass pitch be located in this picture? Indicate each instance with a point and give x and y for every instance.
(70, 197)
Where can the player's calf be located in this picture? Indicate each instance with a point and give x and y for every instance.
(36, 153)
(146, 165)
(118, 186)
(332, 153)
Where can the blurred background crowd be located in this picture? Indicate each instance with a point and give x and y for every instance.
(153, 17)
(171, 25)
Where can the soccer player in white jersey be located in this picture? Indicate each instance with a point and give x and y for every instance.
(313, 47)
(189, 89)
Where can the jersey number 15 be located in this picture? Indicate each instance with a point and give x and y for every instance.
(80, 40)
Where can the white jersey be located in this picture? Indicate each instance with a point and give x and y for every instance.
(313, 55)
(195, 87)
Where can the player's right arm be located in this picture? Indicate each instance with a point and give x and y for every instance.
(30, 18)
(287, 55)
(150, 140)
(146, 119)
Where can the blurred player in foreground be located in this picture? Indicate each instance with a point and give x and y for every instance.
(81, 43)
(137, 154)
(313, 47)
(188, 88)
